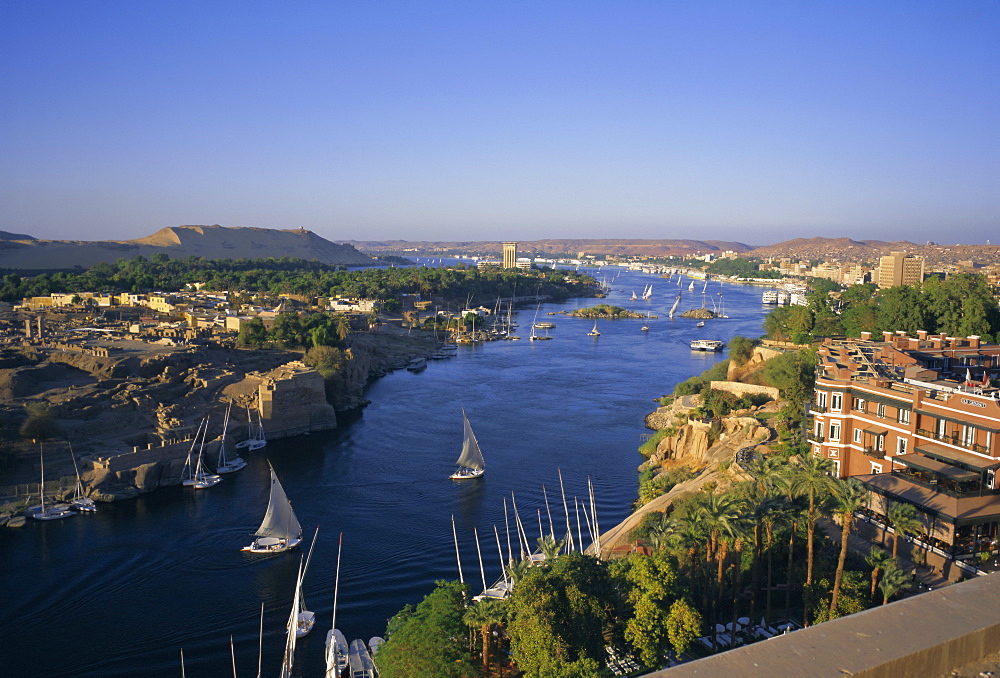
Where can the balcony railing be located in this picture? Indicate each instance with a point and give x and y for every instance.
(953, 440)
(872, 452)
(820, 409)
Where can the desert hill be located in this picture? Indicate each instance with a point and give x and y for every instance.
(869, 251)
(4, 235)
(177, 242)
(622, 247)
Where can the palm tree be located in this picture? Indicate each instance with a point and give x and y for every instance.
(894, 580)
(484, 615)
(878, 559)
(550, 547)
(903, 519)
(661, 530)
(812, 480)
(516, 569)
(850, 495)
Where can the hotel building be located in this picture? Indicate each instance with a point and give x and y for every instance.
(915, 419)
(900, 268)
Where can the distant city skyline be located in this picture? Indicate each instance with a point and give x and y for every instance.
(748, 122)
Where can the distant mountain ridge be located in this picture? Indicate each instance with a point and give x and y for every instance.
(620, 247)
(177, 242)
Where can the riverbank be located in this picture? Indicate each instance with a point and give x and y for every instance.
(154, 400)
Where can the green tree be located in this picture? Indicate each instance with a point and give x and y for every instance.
(894, 579)
(252, 333)
(40, 424)
(878, 559)
(850, 495)
(902, 518)
(741, 349)
(483, 616)
(652, 581)
(429, 640)
(683, 625)
(558, 614)
(813, 481)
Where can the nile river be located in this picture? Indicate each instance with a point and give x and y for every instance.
(122, 592)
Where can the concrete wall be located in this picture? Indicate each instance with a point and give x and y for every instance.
(925, 636)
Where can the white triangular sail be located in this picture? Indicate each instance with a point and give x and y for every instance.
(280, 520)
(471, 456)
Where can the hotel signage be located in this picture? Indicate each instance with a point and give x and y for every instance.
(974, 403)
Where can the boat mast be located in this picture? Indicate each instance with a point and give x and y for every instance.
(503, 568)
(552, 531)
(331, 649)
(593, 510)
(260, 640)
(458, 558)
(569, 528)
(479, 552)
(41, 485)
(506, 520)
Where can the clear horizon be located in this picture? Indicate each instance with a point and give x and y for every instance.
(443, 121)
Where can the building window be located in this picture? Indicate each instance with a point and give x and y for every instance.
(968, 434)
(834, 431)
(857, 435)
(876, 468)
(836, 469)
(859, 404)
(881, 411)
(879, 443)
(942, 427)
(903, 417)
(821, 399)
(819, 430)
(901, 446)
(836, 401)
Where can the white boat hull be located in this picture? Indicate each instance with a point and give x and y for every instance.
(271, 545)
(232, 466)
(202, 481)
(252, 444)
(467, 473)
(306, 622)
(84, 505)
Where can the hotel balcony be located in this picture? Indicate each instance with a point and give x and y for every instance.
(953, 440)
(875, 454)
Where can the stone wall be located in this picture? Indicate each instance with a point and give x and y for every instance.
(293, 402)
(740, 389)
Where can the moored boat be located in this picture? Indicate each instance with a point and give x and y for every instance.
(228, 463)
(80, 501)
(360, 663)
(52, 511)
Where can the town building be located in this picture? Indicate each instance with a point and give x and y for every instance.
(917, 420)
(510, 255)
(900, 268)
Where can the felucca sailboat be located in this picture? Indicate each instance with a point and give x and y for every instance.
(280, 530)
(470, 461)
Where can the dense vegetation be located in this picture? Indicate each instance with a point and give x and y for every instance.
(605, 312)
(752, 550)
(274, 277)
(959, 306)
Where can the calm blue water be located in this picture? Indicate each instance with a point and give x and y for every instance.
(120, 593)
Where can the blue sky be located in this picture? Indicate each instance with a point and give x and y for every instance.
(748, 121)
